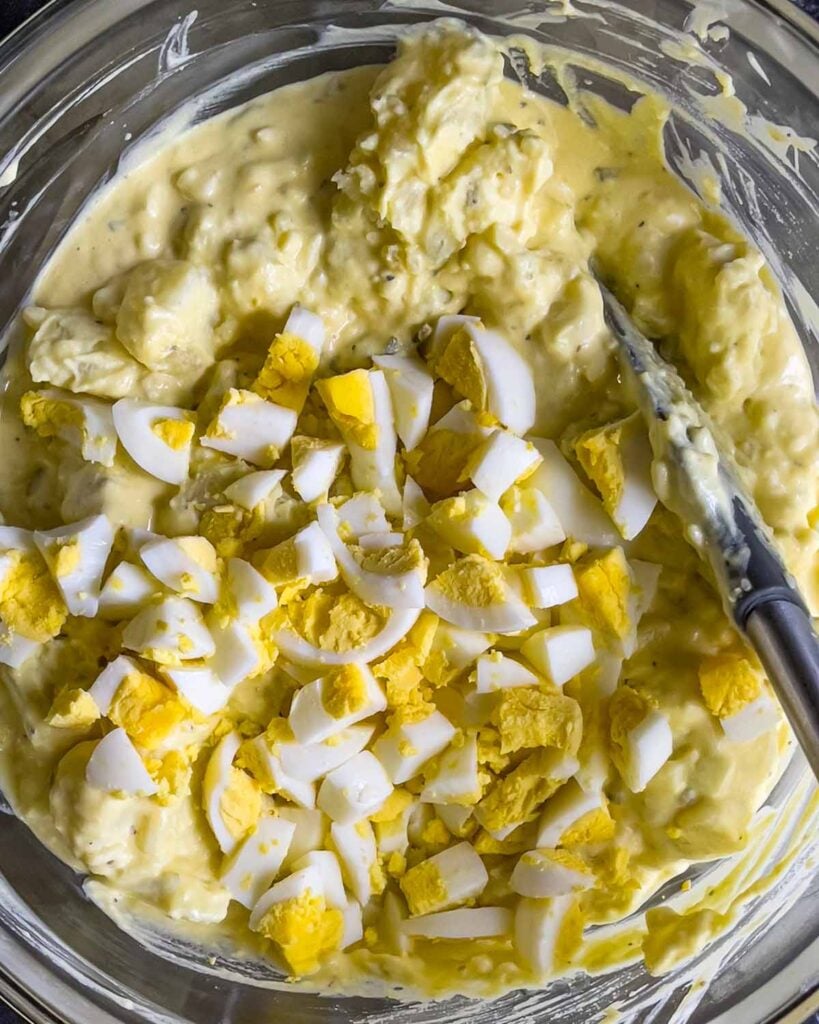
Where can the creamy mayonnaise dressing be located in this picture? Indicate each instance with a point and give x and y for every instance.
(384, 199)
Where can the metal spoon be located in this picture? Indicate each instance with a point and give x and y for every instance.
(700, 484)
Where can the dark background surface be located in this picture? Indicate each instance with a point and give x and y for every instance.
(12, 13)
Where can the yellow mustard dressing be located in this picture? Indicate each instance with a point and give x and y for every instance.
(383, 199)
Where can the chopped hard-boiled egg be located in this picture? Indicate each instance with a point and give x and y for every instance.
(291, 361)
(76, 555)
(187, 565)
(580, 513)
(473, 593)
(247, 595)
(544, 873)
(546, 586)
(752, 720)
(355, 845)
(105, 686)
(359, 404)
(452, 876)
(315, 557)
(361, 515)
(84, 423)
(353, 930)
(411, 388)
(393, 578)
(496, 671)
(310, 761)
(333, 703)
(127, 589)
(252, 489)
(116, 767)
(489, 371)
(316, 464)
(15, 650)
(253, 866)
(231, 799)
(263, 758)
(560, 652)
(439, 462)
(200, 687)
(297, 649)
(250, 428)
(642, 739)
(415, 507)
(169, 632)
(565, 809)
(31, 603)
(455, 778)
(239, 652)
(326, 864)
(157, 437)
(464, 923)
(546, 932)
(501, 461)
(355, 790)
(452, 650)
(532, 520)
(406, 747)
(473, 524)
(617, 459)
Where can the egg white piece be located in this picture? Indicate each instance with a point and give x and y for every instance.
(414, 505)
(464, 923)
(510, 386)
(116, 767)
(355, 790)
(390, 590)
(411, 386)
(355, 844)
(103, 690)
(456, 817)
(393, 915)
(380, 541)
(472, 524)
(569, 804)
(315, 554)
(537, 928)
(455, 779)
(306, 325)
(501, 461)
(496, 671)
(127, 589)
(252, 489)
(200, 687)
(250, 428)
(297, 649)
(214, 786)
(752, 721)
(638, 498)
(462, 872)
(136, 537)
(299, 791)
(312, 723)
(353, 924)
(580, 512)
(316, 469)
(560, 652)
(534, 524)
(374, 469)
(546, 586)
(403, 751)
(15, 538)
(248, 591)
(394, 837)
(538, 877)
(310, 761)
(509, 616)
(312, 829)
(169, 631)
(76, 555)
(134, 422)
(253, 866)
(94, 435)
(460, 647)
(298, 883)
(446, 326)
(183, 564)
(326, 864)
(648, 746)
(15, 650)
(236, 654)
(360, 515)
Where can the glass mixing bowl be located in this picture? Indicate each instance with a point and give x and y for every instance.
(84, 80)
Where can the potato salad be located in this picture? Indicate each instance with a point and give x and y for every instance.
(339, 619)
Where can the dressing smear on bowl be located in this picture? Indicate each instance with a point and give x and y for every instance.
(339, 616)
